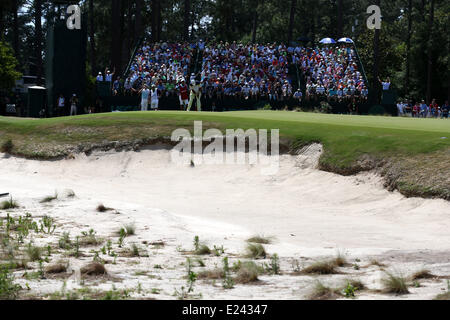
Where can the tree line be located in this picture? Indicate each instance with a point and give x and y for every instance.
(412, 47)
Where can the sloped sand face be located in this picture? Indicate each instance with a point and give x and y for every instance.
(309, 214)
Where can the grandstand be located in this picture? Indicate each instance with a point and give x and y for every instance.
(247, 77)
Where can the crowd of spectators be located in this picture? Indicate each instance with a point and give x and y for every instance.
(235, 74)
(331, 72)
(423, 110)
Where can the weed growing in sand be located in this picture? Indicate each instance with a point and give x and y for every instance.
(357, 284)
(200, 248)
(274, 266)
(127, 230)
(218, 251)
(422, 274)
(102, 208)
(47, 225)
(89, 238)
(247, 272)
(64, 241)
(130, 229)
(77, 247)
(228, 282)
(34, 253)
(340, 260)
(320, 267)
(322, 292)
(196, 243)
(155, 291)
(395, 284)
(255, 251)
(8, 290)
(49, 198)
(200, 262)
(295, 264)
(191, 275)
(260, 239)
(122, 235)
(349, 290)
(9, 204)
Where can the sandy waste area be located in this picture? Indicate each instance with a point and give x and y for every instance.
(352, 224)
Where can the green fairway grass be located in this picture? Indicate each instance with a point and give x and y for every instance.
(345, 138)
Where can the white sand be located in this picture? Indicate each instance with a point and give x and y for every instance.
(310, 213)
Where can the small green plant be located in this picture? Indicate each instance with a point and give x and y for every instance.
(122, 235)
(196, 243)
(47, 225)
(155, 291)
(130, 229)
(77, 247)
(218, 251)
(349, 290)
(200, 248)
(34, 253)
(228, 282)
(135, 250)
(8, 289)
(191, 275)
(64, 241)
(89, 238)
(274, 267)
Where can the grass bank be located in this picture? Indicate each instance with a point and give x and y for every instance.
(413, 154)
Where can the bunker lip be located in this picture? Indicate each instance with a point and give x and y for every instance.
(366, 163)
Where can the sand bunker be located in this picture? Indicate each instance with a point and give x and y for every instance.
(308, 212)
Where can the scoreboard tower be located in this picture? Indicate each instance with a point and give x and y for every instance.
(65, 58)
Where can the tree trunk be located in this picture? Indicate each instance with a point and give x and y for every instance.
(340, 23)
(159, 19)
(429, 53)
(255, 22)
(376, 61)
(408, 48)
(16, 28)
(92, 38)
(291, 21)
(2, 22)
(187, 15)
(153, 22)
(38, 39)
(156, 20)
(138, 26)
(116, 28)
